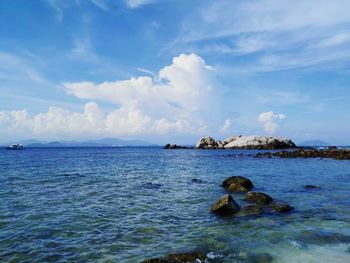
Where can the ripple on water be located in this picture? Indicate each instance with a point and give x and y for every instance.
(124, 205)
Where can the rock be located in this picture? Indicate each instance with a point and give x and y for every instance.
(197, 181)
(152, 185)
(244, 182)
(255, 257)
(207, 143)
(225, 206)
(260, 198)
(281, 207)
(258, 142)
(250, 210)
(310, 186)
(220, 145)
(338, 154)
(323, 237)
(175, 146)
(155, 260)
(236, 187)
(188, 257)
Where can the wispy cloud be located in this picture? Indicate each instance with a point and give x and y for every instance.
(102, 4)
(138, 3)
(15, 67)
(275, 35)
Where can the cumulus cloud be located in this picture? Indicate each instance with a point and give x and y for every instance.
(270, 121)
(175, 101)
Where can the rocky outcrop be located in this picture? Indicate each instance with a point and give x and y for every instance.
(259, 198)
(188, 257)
(207, 143)
(237, 184)
(225, 206)
(246, 142)
(338, 154)
(175, 146)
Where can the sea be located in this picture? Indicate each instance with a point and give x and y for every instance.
(130, 204)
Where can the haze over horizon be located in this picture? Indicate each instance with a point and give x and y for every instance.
(173, 71)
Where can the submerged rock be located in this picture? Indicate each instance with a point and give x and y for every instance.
(197, 181)
(240, 180)
(323, 237)
(309, 186)
(281, 207)
(225, 206)
(250, 210)
(258, 197)
(338, 154)
(188, 257)
(255, 257)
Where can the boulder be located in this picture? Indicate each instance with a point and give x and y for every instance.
(236, 187)
(243, 181)
(258, 197)
(250, 210)
(225, 206)
(281, 207)
(188, 257)
(207, 143)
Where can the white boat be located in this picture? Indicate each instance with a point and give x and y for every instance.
(15, 147)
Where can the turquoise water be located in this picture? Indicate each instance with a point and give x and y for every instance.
(128, 204)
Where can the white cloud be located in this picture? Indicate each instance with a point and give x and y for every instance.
(332, 41)
(270, 121)
(175, 101)
(138, 3)
(226, 126)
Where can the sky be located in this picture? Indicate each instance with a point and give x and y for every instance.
(174, 70)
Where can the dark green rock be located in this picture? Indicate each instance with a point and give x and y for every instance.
(225, 206)
(259, 198)
(245, 182)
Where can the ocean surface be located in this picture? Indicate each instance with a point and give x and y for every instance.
(129, 204)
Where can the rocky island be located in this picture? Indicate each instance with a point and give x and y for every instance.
(240, 142)
(246, 142)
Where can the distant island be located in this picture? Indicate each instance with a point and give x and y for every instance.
(315, 143)
(106, 142)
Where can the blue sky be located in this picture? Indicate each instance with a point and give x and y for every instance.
(172, 71)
